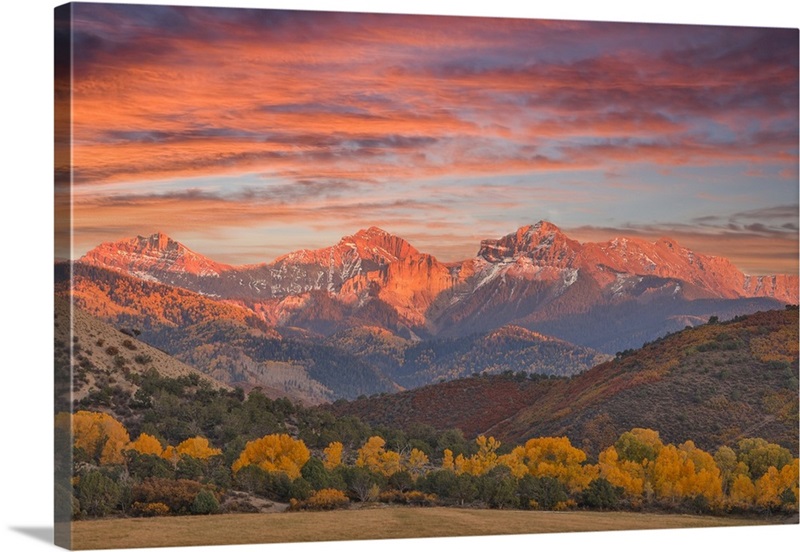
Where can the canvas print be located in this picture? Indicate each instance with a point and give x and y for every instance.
(326, 276)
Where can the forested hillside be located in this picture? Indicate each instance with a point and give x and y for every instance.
(713, 384)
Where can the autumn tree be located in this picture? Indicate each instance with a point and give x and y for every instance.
(685, 472)
(448, 463)
(333, 455)
(482, 461)
(274, 453)
(416, 463)
(197, 447)
(146, 444)
(627, 474)
(374, 456)
(552, 457)
(778, 488)
(742, 492)
(100, 436)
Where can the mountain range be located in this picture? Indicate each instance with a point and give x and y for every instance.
(372, 314)
(536, 278)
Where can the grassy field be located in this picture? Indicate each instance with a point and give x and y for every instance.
(386, 522)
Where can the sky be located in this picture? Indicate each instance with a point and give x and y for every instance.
(246, 134)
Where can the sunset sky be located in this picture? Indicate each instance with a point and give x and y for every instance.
(246, 134)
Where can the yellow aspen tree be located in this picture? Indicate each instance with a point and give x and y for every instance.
(447, 460)
(726, 461)
(667, 469)
(556, 457)
(790, 479)
(274, 453)
(198, 447)
(171, 453)
(390, 463)
(375, 457)
(742, 492)
(487, 449)
(483, 460)
(100, 435)
(146, 444)
(706, 480)
(686, 472)
(333, 455)
(768, 489)
(515, 461)
(417, 462)
(622, 473)
(370, 455)
(460, 464)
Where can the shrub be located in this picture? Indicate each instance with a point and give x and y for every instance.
(497, 487)
(391, 496)
(327, 499)
(205, 503)
(142, 358)
(414, 498)
(149, 509)
(178, 494)
(418, 498)
(128, 344)
(144, 466)
(564, 505)
(98, 494)
(300, 489)
(601, 494)
(540, 492)
(112, 351)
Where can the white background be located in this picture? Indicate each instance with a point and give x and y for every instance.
(26, 265)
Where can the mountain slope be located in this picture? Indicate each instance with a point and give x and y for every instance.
(104, 358)
(713, 384)
(220, 339)
(235, 353)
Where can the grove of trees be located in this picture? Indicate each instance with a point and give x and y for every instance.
(149, 476)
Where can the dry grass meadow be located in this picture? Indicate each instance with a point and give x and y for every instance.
(384, 523)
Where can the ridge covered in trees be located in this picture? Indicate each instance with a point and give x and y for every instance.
(713, 384)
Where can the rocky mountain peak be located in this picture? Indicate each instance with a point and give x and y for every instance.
(156, 252)
(379, 245)
(543, 242)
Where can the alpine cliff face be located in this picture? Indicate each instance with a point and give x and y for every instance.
(536, 277)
